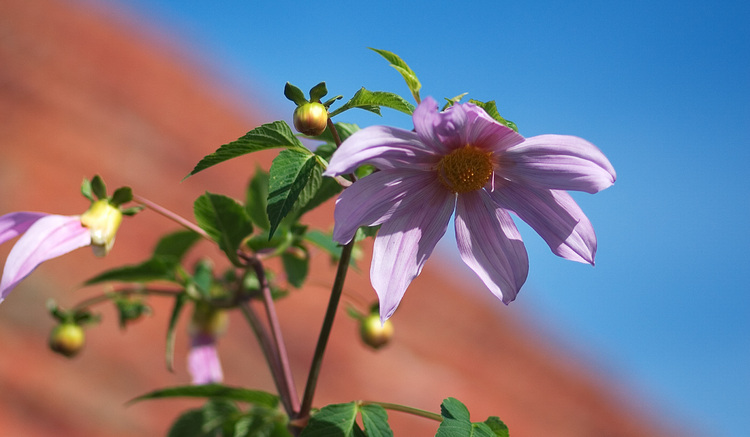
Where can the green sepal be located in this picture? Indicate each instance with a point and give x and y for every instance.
(294, 94)
(216, 391)
(133, 210)
(268, 136)
(129, 308)
(290, 178)
(373, 100)
(121, 196)
(224, 220)
(330, 101)
(86, 190)
(179, 304)
(407, 73)
(318, 92)
(155, 269)
(491, 109)
(98, 187)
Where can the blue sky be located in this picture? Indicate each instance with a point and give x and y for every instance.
(663, 88)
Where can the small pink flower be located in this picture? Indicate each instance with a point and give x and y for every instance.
(203, 359)
(463, 161)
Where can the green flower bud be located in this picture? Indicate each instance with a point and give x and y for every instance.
(67, 339)
(373, 333)
(102, 219)
(311, 118)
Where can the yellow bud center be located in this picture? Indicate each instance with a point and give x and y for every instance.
(465, 169)
(102, 220)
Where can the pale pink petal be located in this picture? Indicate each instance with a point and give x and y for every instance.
(559, 162)
(383, 147)
(404, 243)
(442, 131)
(203, 360)
(47, 238)
(554, 215)
(374, 198)
(490, 244)
(16, 223)
(486, 133)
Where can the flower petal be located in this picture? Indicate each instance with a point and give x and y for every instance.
(203, 360)
(554, 215)
(485, 132)
(405, 241)
(373, 199)
(442, 131)
(490, 244)
(560, 162)
(383, 147)
(16, 223)
(49, 237)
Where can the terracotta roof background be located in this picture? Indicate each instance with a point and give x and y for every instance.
(80, 94)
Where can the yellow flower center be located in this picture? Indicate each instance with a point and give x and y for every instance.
(465, 169)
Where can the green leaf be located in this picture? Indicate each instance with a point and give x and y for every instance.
(373, 100)
(219, 414)
(218, 391)
(296, 262)
(256, 199)
(335, 420)
(326, 189)
(456, 422)
(130, 308)
(189, 424)
(267, 136)
(318, 92)
(289, 176)
(224, 220)
(294, 94)
(155, 269)
(409, 76)
(175, 245)
(491, 109)
(121, 196)
(375, 420)
(179, 304)
(98, 187)
(497, 426)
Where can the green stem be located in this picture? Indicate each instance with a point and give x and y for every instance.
(126, 292)
(325, 331)
(404, 409)
(172, 216)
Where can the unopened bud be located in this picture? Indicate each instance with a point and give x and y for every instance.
(67, 339)
(373, 333)
(311, 118)
(208, 320)
(102, 220)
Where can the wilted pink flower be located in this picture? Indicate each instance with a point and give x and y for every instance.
(203, 359)
(47, 236)
(462, 160)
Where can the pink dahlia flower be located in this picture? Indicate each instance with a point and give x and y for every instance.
(47, 236)
(463, 161)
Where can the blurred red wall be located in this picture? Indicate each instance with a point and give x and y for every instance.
(83, 93)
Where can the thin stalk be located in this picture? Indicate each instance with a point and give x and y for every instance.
(126, 292)
(285, 377)
(404, 409)
(172, 216)
(325, 331)
(269, 352)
